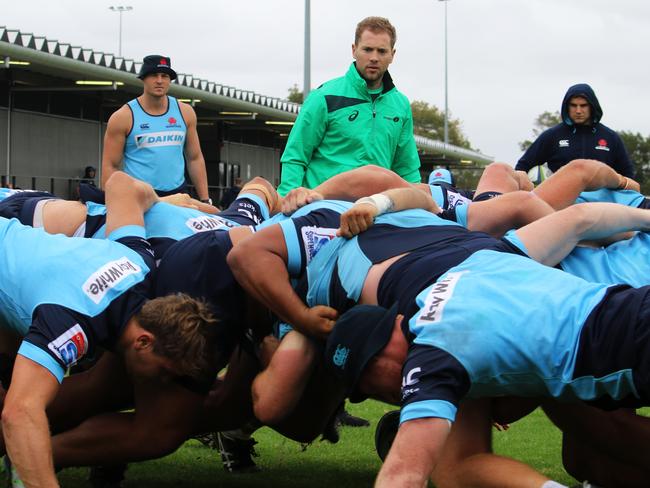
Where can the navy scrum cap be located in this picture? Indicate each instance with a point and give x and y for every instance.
(358, 336)
(155, 63)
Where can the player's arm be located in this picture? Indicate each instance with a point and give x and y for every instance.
(25, 425)
(535, 154)
(165, 416)
(305, 136)
(414, 454)
(348, 186)
(552, 238)
(117, 129)
(363, 213)
(127, 199)
(259, 264)
(564, 186)
(193, 154)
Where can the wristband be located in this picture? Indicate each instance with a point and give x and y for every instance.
(207, 200)
(381, 202)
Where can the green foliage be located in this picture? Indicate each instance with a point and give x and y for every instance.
(429, 121)
(544, 121)
(638, 147)
(295, 95)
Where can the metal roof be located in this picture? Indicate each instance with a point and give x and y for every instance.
(75, 62)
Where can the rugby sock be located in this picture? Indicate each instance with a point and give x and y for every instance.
(244, 432)
(553, 484)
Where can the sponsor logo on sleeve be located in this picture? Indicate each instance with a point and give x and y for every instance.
(249, 211)
(205, 223)
(109, 276)
(408, 381)
(314, 238)
(602, 145)
(70, 346)
(564, 143)
(437, 298)
(160, 139)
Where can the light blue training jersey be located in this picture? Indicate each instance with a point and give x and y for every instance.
(154, 147)
(494, 314)
(85, 275)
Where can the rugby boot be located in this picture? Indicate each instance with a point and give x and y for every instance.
(237, 454)
(385, 433)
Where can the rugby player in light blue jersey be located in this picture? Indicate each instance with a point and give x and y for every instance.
(197, 266)
(478, 327)
(154, 138)
(69, 296)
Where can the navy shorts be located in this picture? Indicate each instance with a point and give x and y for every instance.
(616, 337)
(21, 206)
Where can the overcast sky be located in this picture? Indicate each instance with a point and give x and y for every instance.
(509, 60)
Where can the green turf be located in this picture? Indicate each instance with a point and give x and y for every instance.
(352, 463)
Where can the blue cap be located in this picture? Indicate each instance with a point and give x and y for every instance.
(439, 175)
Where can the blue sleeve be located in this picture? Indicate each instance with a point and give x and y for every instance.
(56, 340)
(433, 384)
(306, 235)
(42, 358)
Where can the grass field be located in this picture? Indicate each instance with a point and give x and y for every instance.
(352, 463)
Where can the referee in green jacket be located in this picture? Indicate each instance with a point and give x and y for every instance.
(354, 120)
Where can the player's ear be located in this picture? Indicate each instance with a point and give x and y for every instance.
(144, 341)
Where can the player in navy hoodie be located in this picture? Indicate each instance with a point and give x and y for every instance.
(579, 135)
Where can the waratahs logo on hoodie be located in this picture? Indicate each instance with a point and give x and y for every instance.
(602, 145)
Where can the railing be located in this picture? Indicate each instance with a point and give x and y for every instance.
(67, 188)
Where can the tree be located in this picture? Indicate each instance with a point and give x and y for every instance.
(638, 147)
(295, 95)
(429, 121)
(543, 121)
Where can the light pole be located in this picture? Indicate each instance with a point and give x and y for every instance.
(446, 80)
(121, 9)
(307, 60)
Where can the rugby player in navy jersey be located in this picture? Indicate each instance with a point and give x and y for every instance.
(90, 293)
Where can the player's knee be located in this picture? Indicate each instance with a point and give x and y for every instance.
(499, 169)
(586, 168)
(118, 179)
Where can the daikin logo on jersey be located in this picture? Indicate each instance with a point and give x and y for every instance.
(437, 298)
(107, 277)
(158, 139)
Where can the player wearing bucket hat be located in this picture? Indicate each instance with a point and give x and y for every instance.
(155, 63)
(358, 336)
(154, 136)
